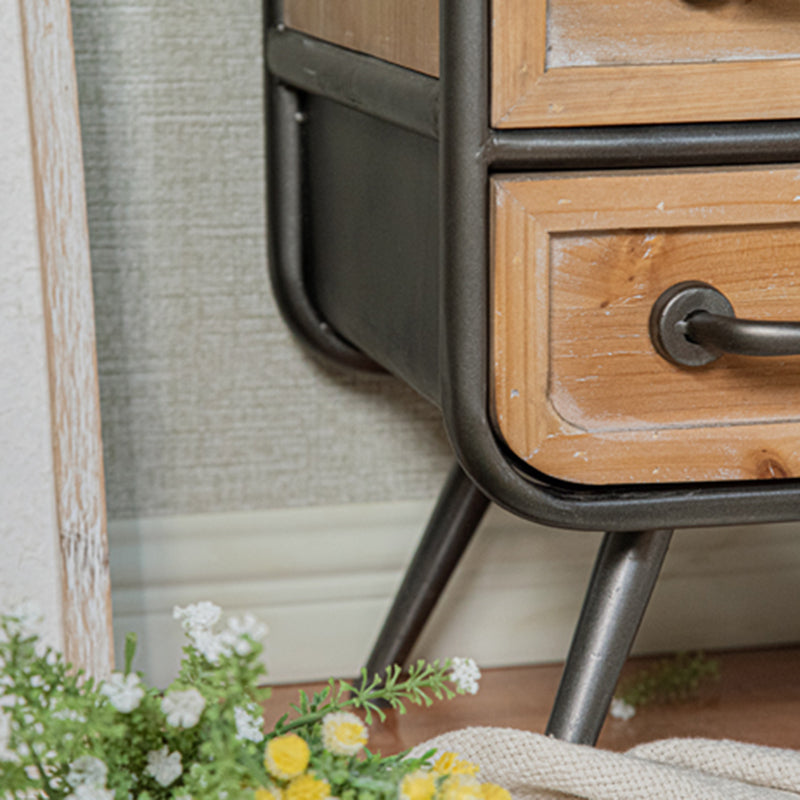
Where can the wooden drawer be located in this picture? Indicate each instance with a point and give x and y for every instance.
(578, 262)
(597, 62)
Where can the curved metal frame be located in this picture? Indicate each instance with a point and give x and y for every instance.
(470, 151)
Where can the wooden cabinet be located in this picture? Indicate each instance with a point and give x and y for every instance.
(576, 392)
(580, 392)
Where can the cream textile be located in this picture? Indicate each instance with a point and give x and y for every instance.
(536, 767)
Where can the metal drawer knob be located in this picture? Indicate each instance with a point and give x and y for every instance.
(692, 324)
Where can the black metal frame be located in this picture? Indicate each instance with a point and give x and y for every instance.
(455, 108)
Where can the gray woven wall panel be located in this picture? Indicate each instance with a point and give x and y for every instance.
(207, 403)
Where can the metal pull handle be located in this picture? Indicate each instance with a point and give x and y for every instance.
(692, 324)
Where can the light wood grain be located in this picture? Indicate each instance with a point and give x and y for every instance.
(69, 317)
(589, 62)
(588, 33)
(405, 32)
(579, 261)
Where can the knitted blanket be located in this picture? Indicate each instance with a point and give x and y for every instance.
(535, 767)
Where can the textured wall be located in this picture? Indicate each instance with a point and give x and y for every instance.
(207, 404)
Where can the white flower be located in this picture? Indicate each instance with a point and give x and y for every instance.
(91, 793)
(343, 733)
(183, 709)
(249, 723)
(69, 714)
(198, 616)
(244, 631)
(465, 674)
(87, 771)
(210, 645)
(620, 709)
(164, 766)
(123, 691)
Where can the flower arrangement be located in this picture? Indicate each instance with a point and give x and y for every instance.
(66, 736)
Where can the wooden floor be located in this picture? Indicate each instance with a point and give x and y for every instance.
(756, 699)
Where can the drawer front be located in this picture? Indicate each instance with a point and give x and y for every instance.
(596, 62)
(580, 392)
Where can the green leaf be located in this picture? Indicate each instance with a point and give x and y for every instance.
(130, 650)
(669, 680)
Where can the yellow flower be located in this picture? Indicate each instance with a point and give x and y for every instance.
(287, 756)
(461, 787)
(418, 785)
(451, 764)
(308, 787)
(343, 733)
(491, 791)
(271, 793)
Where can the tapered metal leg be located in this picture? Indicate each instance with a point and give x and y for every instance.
(455, 518)
(624, 575)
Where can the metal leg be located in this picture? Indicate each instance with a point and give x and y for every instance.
(455, 518)
(624, 575)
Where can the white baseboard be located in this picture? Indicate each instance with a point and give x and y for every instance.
(323, 578)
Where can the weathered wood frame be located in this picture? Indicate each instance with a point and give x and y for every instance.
(63, 243)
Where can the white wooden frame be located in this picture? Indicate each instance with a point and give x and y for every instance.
(55, 544)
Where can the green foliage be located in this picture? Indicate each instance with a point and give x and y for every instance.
(64, 736)
(669, 680)
(393, 689)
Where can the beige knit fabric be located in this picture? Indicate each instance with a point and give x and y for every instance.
(535, 767)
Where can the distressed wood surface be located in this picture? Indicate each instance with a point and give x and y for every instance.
(404, 32)
(579, 261)
(598, 62)
(589, 33)
(69, 316)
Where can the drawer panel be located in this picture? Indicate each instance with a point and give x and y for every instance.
(579, 261)
(405, 32)
(597, 62)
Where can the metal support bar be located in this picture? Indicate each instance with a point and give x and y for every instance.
(454, 520)
(286, 234)
(395, 94)
(411, 100)
(624, 575)
(644, 146)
